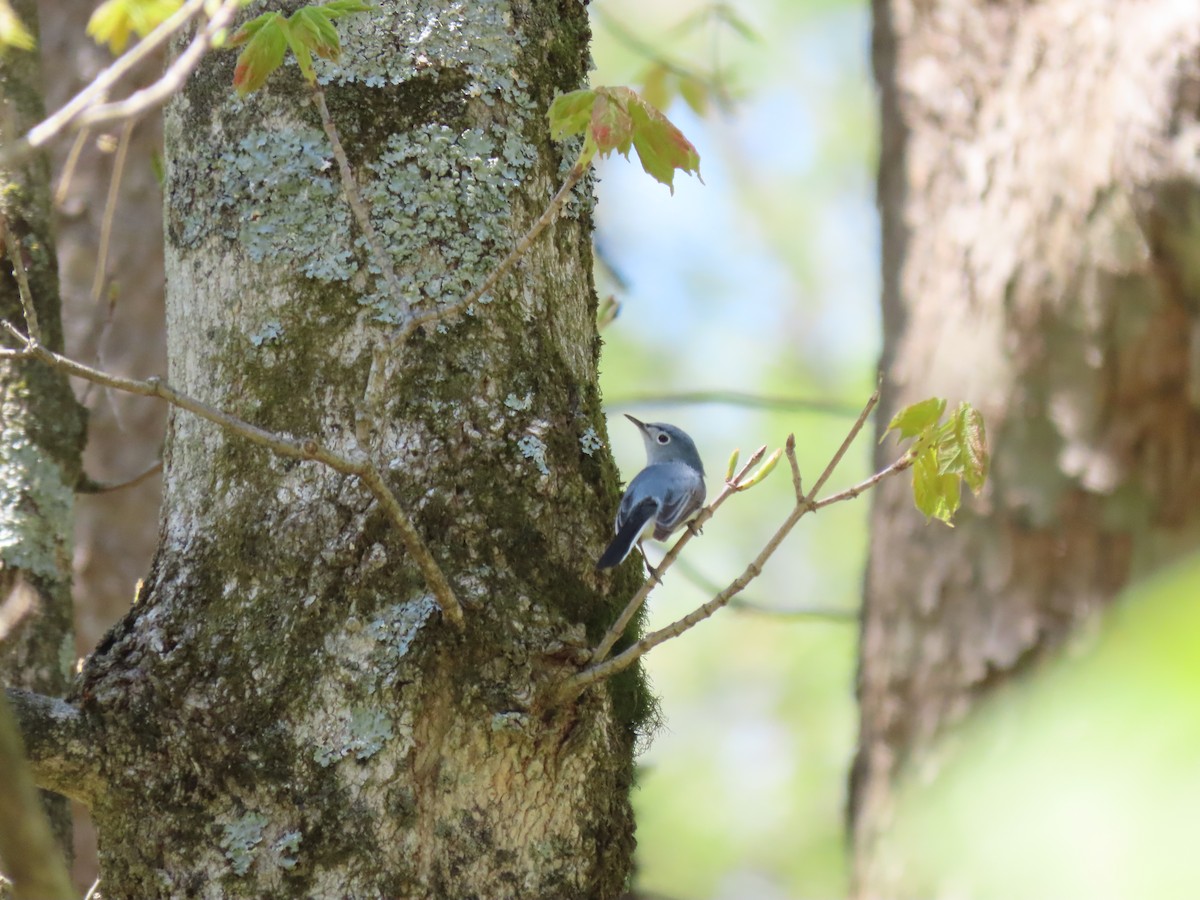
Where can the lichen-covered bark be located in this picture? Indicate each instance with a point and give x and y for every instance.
(1040, 195)
(41, 425)
(284, 711)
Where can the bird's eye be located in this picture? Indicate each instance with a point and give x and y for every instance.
(664, 438)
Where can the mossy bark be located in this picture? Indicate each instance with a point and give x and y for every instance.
(284, 711)
(42, 427)
(1040, 199)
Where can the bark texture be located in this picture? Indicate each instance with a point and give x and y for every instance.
(1040, 196)
(42, 428)
(283, 711)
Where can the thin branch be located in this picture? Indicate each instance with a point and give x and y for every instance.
(148, 98)
(97, 89)
(841, 451)
(827, 613)
(851, 493)
(618, 627)
(110, 207)
(12, 245)
(549, 214)
(68, 173)
(358, 206)
(746, 604)
(86, 485)
(60, 745)
(307, 449)
(789, 448)
(734, 398)
(805, 504)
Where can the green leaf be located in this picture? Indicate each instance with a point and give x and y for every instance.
(914, 419)
(611, 127)
(312, 27)
(308, 30)
(13, 32)
(661, 146)
(266, 41)
(114, 20)
(339, 8)
(570, 114)
(616, 118)
(972, 439)
(936, 495)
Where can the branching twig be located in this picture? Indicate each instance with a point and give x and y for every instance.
(618, 627)
(841, 451)
(805, 503)
(293, 448)
(88, 107)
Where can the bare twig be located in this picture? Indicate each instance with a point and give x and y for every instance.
(759, 607)
(358, 206)
(734, 398)
(789, 448)
(805, 503)
(89, 106)
(306, 448)
(841, 451)
(549, 214)
(618, 627)
(68, 173)
(86, 485)
(12, 245)
(110, 207)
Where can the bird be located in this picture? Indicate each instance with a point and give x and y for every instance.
(663, 496)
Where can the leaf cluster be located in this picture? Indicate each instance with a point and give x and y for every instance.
(616, 118)
(943, 454)
(265, 41)
(114, 20)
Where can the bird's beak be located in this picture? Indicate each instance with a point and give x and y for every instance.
(638, 422)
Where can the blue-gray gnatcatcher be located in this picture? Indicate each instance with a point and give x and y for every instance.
(661, 497)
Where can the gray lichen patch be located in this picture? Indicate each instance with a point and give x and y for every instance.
(271, 183)
(35, 506)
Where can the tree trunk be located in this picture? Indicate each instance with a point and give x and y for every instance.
(1040, 197)
(284, 712)
(41, 424)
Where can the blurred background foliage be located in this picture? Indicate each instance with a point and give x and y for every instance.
(761, 281)
(1081, 783)
(1078, 782)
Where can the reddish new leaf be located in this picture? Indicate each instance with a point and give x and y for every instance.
(265, 41)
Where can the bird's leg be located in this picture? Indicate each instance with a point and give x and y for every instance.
(654, 576)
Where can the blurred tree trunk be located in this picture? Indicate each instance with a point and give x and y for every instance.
(283, 712)
(1039, 188)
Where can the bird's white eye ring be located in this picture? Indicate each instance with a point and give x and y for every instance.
(664, 438)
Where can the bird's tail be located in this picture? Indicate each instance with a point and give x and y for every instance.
(628, 534)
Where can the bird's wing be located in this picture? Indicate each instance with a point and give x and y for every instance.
(631, 521)
(683, 496)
